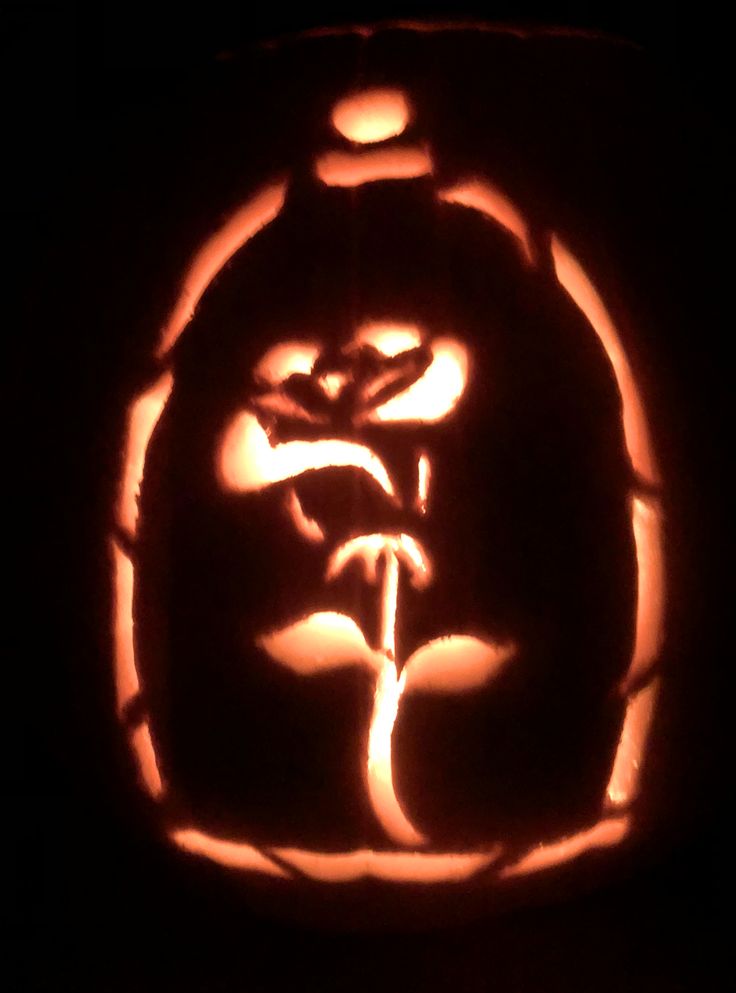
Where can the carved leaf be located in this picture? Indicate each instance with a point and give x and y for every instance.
(319, 642)
(454, 664)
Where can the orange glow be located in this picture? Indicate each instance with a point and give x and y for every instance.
(424, 478)
(604, 834)
(623, 786)
(145, 753)
(373, 387)
(342, 867)
(454, 664)
(236, 855)
(239, 229)
(143, 415)
(481, 196)
(321, 641)
(390, 599)
(449, 664)
(573, 278)
(332, 384)
(328, 640)
(381, 788)
(286, 406)
(388, 692)
(388, 338)
(392, 550)
(127, 685)
(648, 538)
(371, 115)
(249, 462)
(349, 169)
(306, 526)
(285, 360)
(397, 867)
(370, 547)
(647, 527)
(435, 394)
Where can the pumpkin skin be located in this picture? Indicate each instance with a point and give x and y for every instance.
(528, 526)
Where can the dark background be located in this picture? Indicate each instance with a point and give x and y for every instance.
(96, 904)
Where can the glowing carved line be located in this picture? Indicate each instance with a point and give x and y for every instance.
(370, 547)
(388, 692)
(381, 789)
(372, 115)
(424, 478)
(399, 867)
(390, 599)
(332, 384)
(248, 461)
(142, 745)
(648, 539)
(389, 687)
(604, 834)
(647, 529)
(389, 338)
(143, 415)
(234, 854)
(574, 279)
(623, 786)
(127, 685)
(349, 169)
(481, 196)
(435, 394)
(279, 403)
(126, 677)
(285, 360)
(213, 255)
(371, 389)
(306, 526)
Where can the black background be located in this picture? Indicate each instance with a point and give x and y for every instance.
(97, 905)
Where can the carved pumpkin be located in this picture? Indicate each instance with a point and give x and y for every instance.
(388, 560)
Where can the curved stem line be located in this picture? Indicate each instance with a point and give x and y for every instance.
(389, 689)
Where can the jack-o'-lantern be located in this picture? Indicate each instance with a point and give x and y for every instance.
(388, 554)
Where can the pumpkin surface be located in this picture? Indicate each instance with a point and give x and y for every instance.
(388, 557)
